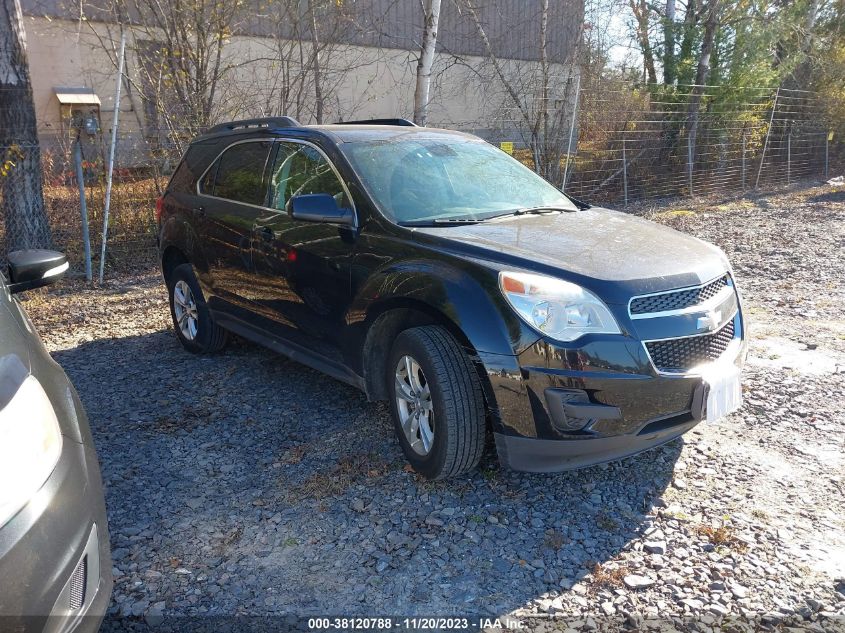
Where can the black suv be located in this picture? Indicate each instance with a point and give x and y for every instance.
(431, 269)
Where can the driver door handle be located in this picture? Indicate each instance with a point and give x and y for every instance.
(199, 211)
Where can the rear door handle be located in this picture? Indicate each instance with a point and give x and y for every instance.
(200, 211)
(266, 233)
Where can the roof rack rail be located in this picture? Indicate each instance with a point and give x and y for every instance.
(268, 122)
(402, 122)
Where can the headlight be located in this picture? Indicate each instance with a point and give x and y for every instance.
(559, 309)
(30, 445)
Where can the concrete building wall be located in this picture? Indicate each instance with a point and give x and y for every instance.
(363, 82)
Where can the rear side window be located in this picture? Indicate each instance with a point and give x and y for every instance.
(193, 164)
(240, 173)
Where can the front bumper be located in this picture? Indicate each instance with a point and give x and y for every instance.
(629, 406)
(55, 565)
(545, 456)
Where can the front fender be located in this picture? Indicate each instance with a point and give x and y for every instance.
(468, 297)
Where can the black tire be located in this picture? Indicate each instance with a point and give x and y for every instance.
(459, 415)
(210, 337)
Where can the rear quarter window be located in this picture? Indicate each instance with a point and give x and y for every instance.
(193, 164)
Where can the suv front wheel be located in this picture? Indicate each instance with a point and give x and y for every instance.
(437, 403)
(194, 326)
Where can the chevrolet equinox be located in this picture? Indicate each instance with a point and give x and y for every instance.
(431, 269)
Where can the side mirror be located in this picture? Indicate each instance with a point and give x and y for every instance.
(320, 207)
(34, 268)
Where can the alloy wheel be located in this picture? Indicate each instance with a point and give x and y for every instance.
(185, 309)
(413, 401)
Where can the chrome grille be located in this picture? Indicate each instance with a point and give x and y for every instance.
(683, 354)
(678, 299)
(77, 585)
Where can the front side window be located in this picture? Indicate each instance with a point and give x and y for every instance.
(240, 173)
(418, 179)
(301, 169)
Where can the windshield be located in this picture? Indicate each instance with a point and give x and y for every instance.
(417, 180)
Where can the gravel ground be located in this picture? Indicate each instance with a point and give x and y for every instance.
(245, 483)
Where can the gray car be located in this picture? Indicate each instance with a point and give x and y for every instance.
(55, 563)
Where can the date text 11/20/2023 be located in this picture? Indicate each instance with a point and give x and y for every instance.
(417, 623)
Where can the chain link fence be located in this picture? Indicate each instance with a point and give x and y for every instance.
(627, 143)
(635, 143)
(136, 185)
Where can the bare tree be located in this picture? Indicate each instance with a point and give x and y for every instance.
(178, 47)
(431, 11)
(543, 100)
(20, 157)
(685, 54)
(306, 63)
(641, 10)
(711, 25)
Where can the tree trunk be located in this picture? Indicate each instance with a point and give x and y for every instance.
(711, 25)
(426, 61)
(685, 53)
(540, 136)
(20, 154)
(640, 10)
(669, 44)
(315, 63)
(803, 70)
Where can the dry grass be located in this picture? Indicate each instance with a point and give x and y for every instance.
(350, 470)
(294, 455)
(131, 221)
(604, 577)
(192, 417)
(554, 540)
(673, 213)
(721, 536)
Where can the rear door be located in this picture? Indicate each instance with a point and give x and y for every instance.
(231, 197)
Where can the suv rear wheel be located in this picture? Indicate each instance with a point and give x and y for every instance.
(437, 403)
(195, 328)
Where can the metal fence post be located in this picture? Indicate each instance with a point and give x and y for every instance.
(625, 172)
(83, 206)
(743, 160)
(827, 154)
(766, 142)
(689, 164)
(789, 155)
(110, 173)
(571, 130)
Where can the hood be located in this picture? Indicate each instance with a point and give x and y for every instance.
(615, 254)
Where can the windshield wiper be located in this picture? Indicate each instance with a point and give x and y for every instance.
(538, 210)
(440, 221)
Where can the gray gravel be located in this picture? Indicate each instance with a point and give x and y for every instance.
(245, 483)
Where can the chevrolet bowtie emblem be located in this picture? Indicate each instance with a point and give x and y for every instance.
(709, 321)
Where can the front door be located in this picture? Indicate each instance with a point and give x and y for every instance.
(231, 197)
(302, 269)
